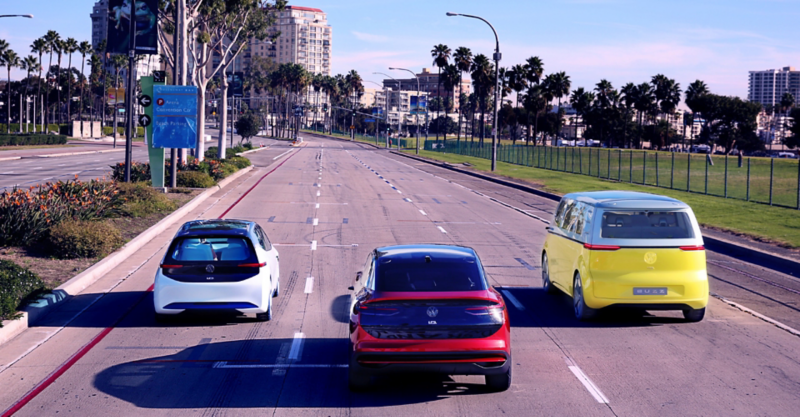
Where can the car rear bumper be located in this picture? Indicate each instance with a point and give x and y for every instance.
(687, 290)
(172, 297)
(449, 363)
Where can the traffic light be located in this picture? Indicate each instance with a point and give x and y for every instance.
(325, 107)
(354, 113)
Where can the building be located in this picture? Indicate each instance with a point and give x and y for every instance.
(99, 17)
(429, 83)
(767, 87)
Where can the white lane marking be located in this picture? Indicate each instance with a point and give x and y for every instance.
(399, 192)
(37, 168)
(282, 154)
(297, 347)
(225, 365)
(756, 314)
(320, 177)
(313, 245)
(513, 300)
(442, 229)
(5, 173)
(408, 200)
(317, 205)
(317, 193)
(590, 386)
(423, 213)
(280, 360)
(61, 165)
(319, 185)
(315, 223)
(309, 285)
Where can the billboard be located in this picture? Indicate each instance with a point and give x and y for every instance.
(236, 84)
(422, 107)
(116, 96)
(174, 116)
(119, 21)
(378, 111)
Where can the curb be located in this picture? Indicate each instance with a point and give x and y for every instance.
(775, 261)
(10, 158)
(56, 155)
(253, 150)
(35, 311)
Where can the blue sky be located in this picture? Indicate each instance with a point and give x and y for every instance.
(717, 41)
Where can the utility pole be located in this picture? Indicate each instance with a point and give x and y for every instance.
(173, 153)
(129, 102)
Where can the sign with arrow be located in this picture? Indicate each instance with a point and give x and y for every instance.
(145, 100)
(144, 120)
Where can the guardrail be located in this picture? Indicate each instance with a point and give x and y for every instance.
(773, 181)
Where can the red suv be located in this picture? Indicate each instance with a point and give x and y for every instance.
(427, 308)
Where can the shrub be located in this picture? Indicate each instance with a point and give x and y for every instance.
(83, 239)
(239, 161)
(33, 139)
(16, 284)
(142, 200)
(27, 215)
(195, 179)
(247, 126)
(248, 145)
(139, 172)
(109, 130)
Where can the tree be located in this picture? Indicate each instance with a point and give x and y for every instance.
(53, 39)
(534, 69)
(730, 122)
(793, 125)
(787, 102)
(84, 48)
(9, 59)
(60, 48)
(694, 92)
(40, 46)
(483, 82)
(29, 64)
(120, 62)
(462, 59)
(581, 101)
(70, 47)
(247, 126)
(441, 57)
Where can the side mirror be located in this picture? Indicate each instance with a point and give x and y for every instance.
(350, 288)
(358, 275)
(549, 228)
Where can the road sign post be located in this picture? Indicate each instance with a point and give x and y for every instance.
(155, 155)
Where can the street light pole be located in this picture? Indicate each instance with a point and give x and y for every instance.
(416, 113)
(497, 57)
(130, 128)
(29, 16)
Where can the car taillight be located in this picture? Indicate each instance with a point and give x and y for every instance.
(262, 264)
(485, 310)
(165, 266)
(600, 247)
(698, 247)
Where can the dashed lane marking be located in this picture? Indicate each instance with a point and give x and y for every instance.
(408, 200)
(313, 245)
(317, 193)
(317, 205)
(315, 223)
(590, 386)
(423, 213)
(513, 300)
(296, 351)
(309, 285)
(442, 229)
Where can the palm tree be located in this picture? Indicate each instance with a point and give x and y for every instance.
(483, 81)
(120, 62)
(462, 58)
(9, 59)
(29, 63)
(581, 101)
(97, 69)
(646, 102)
(39, 46)
(629, 97)
(70, 47)
(53, 39)
(60, 47)
(694, 92)
(102, 49)
(787, 103)
(84, 48)
(441, 57)
(450, 77)
(533, 69)
(517, 81)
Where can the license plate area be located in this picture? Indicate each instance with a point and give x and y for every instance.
(650, 291)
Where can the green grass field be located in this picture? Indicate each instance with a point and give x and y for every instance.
(760, 221)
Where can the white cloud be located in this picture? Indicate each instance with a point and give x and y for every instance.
(368, 37)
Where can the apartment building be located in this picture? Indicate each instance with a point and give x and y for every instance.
(428, 83)
(767, 87)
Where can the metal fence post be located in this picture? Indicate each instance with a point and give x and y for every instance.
(771, 172)
(798, 184)
(590, 161)
(630, 166)
(748, 180)
(619, 165)
(580, 161)
(608, 170)
(672, 171)
(706, 186)
(644, 167)
(598, 162)
(688, 171)
(657, 182)
(726, 175)
(573, 161)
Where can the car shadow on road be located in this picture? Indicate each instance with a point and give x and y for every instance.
(258, 373)
(555, 310)
(339, 309)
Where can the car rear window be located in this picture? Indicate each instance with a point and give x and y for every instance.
(646, 225)
(209, 249)
(421, 276)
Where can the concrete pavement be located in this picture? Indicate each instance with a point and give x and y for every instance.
(324, 209)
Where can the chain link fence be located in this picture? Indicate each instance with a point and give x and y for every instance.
(765, 180)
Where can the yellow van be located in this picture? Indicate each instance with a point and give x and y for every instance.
(620, 248)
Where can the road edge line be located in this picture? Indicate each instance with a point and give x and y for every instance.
(776, 323)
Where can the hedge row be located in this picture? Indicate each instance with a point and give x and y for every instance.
(33, 139)
(52, 127)
(204, 174)
(109, 130)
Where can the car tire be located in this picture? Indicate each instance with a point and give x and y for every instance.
(582, 311)
(265, 316)
(693, 315)
(547, 285)
(277, 289)
(499, 382)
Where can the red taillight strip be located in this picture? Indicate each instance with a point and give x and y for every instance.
(600, 247)
(698, 247)
(262, 264)
(172, 266)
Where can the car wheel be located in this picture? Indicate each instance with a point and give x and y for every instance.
(694, 315)
(500, 382)
(277, 289)
(582, 311)
(547, 285)
(265, 316)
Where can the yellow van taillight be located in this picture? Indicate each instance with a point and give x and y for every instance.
(698, 247)
(600, 247)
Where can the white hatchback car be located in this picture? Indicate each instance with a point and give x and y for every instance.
(223, 265)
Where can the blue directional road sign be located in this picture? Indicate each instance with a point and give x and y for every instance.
(369, 120)
(175, 116)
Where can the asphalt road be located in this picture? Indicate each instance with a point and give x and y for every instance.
(325, 207)
(35, 170)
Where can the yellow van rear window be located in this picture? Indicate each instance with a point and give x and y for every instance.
(646, 225)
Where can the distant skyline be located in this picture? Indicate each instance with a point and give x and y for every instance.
(717, 41)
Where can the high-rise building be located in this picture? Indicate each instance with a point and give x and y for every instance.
(767, 87)
(99, 16)
(429, 83)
